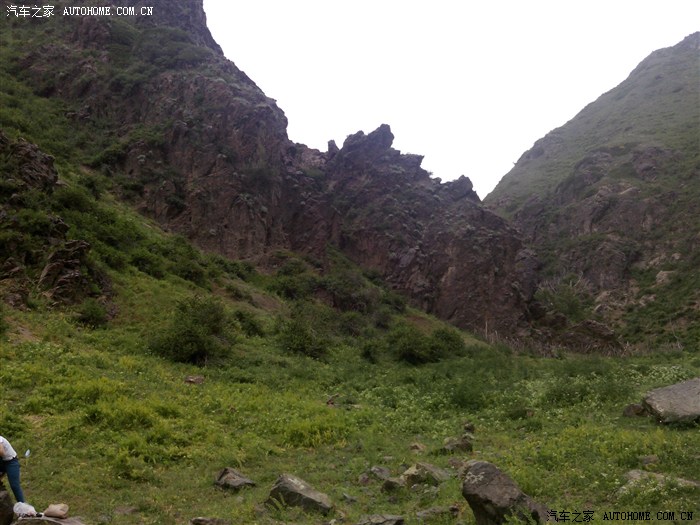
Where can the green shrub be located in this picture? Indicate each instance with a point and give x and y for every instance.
(249, 323)
(92, 313)
(409, 344)
(298, 337)
(148, 262)
(199, 331)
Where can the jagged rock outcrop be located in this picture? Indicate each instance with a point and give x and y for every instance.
(200, 148)
(35, 248)
(435, 241)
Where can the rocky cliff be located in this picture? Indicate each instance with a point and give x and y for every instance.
(191, 141)
(610, 201)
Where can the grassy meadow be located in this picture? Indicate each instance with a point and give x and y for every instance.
(118, 434)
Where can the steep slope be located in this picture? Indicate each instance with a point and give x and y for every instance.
(610, 200)
(195, 144)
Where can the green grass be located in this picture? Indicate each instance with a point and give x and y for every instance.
(98, 409)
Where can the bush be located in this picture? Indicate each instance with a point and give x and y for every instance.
(92, 313)
(148, 262)
(297, 336)
(408, 344)
(199, 331)
(249, 323)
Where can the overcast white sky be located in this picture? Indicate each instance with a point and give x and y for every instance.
(470, 84)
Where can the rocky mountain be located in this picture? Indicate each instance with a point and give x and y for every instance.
(192, 142)
(610, 202)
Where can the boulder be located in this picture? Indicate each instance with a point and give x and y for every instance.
(292, 491)
(679, 403)
(6, 513)
(381, 519)
(231, 479)
(425, 474)
(493, 496)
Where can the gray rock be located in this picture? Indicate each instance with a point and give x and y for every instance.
(381, 519)
(380, 473)
(461, 444)
(231, 479)
(677, 403)
(425, 474)
(292, 491)
(393, 484)
(209, 521)
(493, 496)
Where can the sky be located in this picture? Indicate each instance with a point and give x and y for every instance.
(471, 85)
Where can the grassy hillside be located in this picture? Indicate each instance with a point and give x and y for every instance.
(658, 104)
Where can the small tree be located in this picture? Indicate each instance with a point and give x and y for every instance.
(199, 331)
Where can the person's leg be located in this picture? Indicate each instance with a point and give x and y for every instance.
(12, 469)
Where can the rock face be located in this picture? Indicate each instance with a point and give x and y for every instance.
(292, 491)
(610, 199)
(493, 496)
(200, 148)
(679, 403)
(38, 254)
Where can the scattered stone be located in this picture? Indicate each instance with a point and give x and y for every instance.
(425, 474)
(381, 519)
(679, 403)
(349, 498)
(418, 448)
(649, 460)
(438, 513)
(635, 477)
(469, 427)
(209, 521)
(493, 496)
(633, 410)
(393, 484)
(461, 444)
(231, 479)
(292, 491)
(194, 380)
(380, 473)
